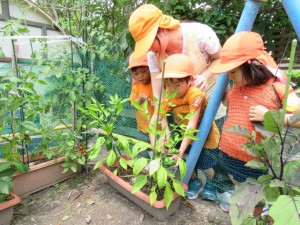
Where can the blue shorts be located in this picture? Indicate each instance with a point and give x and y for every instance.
(208, 158)
(237, 168)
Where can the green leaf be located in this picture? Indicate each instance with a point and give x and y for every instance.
(27, 90)
(99, 163)
(154, 166)
(74, 167)
(6, 184)
(139, 165)
(182, 168)
(286, 210)
(21, 167)
(123, 144)
(96, 148)
(152, 196)
(111, 158)
(273, 121)
(240, 130)
(249, 221)
(123, 163)
(4, 166)
(277, 183)
(254, 164)
(139, 183)
(178, 187)
(244, 199)
(162, 174)
(263, 179)
(168, 195)
(290, 168)
(271, 193)
(136, 105)
(29, 125)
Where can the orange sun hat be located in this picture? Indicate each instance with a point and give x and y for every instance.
(239, 48)
(143, 25)
(135, 62)
(177, 66)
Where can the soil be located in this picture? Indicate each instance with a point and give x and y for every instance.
(89, 199)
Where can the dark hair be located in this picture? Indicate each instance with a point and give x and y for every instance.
(255, 73)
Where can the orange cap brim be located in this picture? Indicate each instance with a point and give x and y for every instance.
(143, 45)
(219, 67)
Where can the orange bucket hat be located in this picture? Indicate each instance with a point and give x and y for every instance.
(135, 62)
(239, 48)
(143, 25)
(177, 66)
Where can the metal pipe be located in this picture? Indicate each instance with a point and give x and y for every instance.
(292, 8)
(245, 23)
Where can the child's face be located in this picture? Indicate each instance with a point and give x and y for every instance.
(181, 86)
(237, 77)
(141, 74)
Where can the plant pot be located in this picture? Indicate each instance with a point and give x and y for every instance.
(41, 176)
(7, 209)
(158, 209)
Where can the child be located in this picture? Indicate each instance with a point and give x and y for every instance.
(141, 89)
(255, 91)
(178, 77)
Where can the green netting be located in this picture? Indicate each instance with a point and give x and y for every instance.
(121, 85)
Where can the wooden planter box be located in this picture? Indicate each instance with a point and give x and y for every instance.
(41, 176)
(7, 209)
(158, 209)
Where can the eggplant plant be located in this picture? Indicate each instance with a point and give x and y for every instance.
(279, 189)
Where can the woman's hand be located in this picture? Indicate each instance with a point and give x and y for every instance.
(257, 113)
(200, 82)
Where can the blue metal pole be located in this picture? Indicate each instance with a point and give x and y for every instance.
(245, 23)
(292, 8)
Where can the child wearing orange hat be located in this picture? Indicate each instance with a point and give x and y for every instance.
(177, 77)
(141, 90)
(258, 87)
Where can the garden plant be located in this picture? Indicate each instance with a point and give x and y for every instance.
(160, 180)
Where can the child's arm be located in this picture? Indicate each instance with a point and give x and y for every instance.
(186, 141)
(257, 113)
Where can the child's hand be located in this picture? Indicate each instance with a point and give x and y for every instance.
(176, 157)
(142, 98)
(256, 113)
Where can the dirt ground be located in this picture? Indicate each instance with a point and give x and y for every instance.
(89, 199)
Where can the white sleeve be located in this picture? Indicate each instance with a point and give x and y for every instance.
(152, 59)
(208, 40)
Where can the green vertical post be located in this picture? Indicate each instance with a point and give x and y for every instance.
(289, 72)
